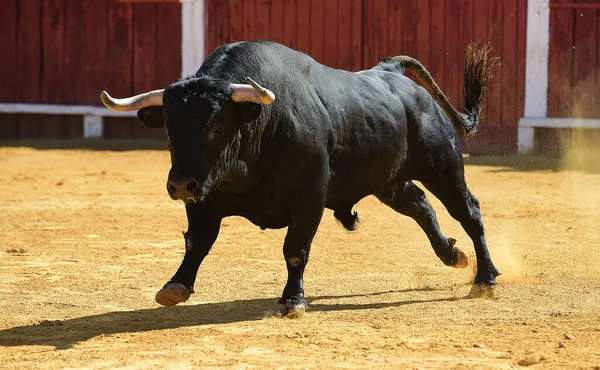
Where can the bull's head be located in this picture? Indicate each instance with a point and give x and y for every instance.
(202, 118)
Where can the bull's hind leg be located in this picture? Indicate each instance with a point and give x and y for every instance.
(464, 207)
(296, 249)
(409, 200)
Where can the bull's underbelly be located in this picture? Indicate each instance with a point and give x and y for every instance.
(265, 221)
(350, 183)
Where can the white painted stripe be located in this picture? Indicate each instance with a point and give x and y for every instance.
(536, 70)
(560, 122)
(192, 36)
(93, 122)
(83, 110)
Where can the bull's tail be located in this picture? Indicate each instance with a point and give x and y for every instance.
(478, 67)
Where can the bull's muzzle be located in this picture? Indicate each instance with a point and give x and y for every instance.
(180, 188)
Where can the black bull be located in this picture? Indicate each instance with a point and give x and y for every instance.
(318, 137)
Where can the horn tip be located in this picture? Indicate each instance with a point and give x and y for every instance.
(108, 101)
(268, 97)
(105, 97)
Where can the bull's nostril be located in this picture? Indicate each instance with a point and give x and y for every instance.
(191, 186)
(171, 188)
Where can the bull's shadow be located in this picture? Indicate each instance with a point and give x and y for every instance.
(64, 334)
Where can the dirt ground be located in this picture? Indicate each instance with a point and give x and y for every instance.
(89, 235)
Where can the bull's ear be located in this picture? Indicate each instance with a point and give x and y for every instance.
(152, 116)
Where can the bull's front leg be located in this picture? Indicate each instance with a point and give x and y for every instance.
(203, 229)
(296, 249)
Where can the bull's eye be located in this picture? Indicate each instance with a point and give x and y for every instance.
(217, 131)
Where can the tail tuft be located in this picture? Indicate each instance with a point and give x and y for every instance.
(478, 69)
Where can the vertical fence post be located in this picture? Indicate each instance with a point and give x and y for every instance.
(93, 126)
(192, 36)
(536, 69)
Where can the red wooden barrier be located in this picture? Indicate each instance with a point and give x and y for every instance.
(67, 51)
(574, 64)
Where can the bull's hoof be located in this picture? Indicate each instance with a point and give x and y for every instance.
(463, 260)
(482, 291)
(171, 294)
(291, 309)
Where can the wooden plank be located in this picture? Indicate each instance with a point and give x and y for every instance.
(72, 127)
(262, 19)
(467, 22)
(119, 76)
(210, 30)
(379, 31)
(95, 48)
(597, 115)
(368, 33)
(222, 15)
(236, 21)
(344, 36)
(28, 67)
(290, 27)
(276, 20)
(52, 85)
(408, 25)
(73, 63)
(509, 75)
(330, 57)
(169, 44)
(584, 64)
(217, 22)
(494, 92)
(438, 46)
(559, 75)
(303, 17)
(467, 37)
(250, 29)
(119, 128)
(316, 30)
(118, 79)
(521, 56)
(560, 62)
(423, 18)
(452, 57)
(395, 27)
(8, 50)
(9, 124)
(145, 47)
(357, 35)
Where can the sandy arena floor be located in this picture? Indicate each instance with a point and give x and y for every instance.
(89, 235)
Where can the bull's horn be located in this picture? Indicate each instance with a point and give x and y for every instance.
(251, 92)
(133, 103)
